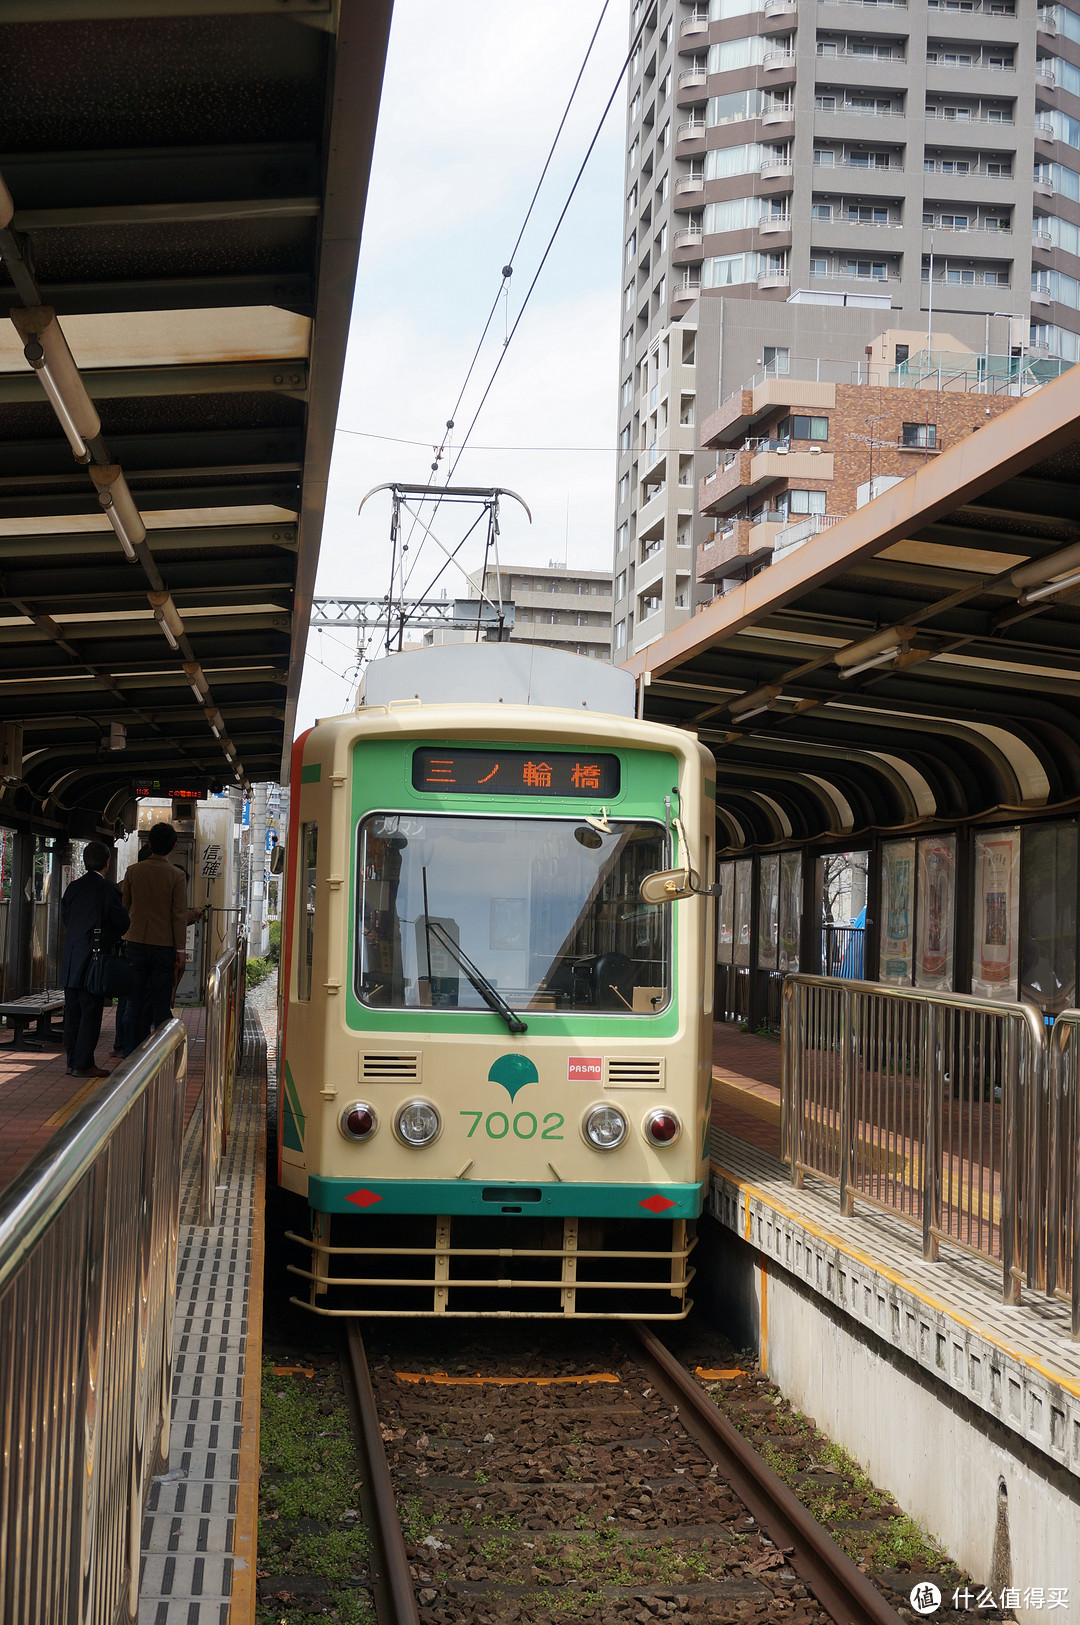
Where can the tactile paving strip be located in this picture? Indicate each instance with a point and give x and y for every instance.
(189, 1525)
(1017, 1364)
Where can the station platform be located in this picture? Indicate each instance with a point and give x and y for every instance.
(999, 1385)
(37, 1097)
(199, 1535)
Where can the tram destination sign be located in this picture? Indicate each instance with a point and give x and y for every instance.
(516, 772)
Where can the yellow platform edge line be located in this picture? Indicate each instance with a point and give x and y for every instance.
(748, 1191)
(243, 1598)
(744, 1100)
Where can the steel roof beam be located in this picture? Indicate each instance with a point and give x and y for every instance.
(290, 290)
(33, 545)
(284, 377)
(234, 494)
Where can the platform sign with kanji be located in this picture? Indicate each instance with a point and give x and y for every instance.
(588, 775)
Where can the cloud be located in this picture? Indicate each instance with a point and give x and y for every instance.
(471, 101)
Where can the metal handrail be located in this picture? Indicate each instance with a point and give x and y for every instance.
(88, 1245)
(871, 1054)
(1063, 1205)
(224, 1044)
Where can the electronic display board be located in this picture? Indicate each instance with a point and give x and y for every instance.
(587, 774)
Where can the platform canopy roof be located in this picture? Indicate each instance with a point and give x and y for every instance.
(186, 182)
(915, 665)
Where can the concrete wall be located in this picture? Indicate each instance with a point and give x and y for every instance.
(944, 1460)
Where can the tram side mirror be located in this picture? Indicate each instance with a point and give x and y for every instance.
(666, 886)
(277, 860)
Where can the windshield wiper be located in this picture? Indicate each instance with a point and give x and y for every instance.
(490, 995)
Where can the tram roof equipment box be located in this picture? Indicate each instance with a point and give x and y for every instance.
(487, 673)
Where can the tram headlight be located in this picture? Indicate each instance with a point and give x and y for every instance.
(605, 1127)
(662, 1127)
(417, 1123)
(358, 1121)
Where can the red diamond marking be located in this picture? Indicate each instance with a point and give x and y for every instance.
(656, 1203)
(363, 1198)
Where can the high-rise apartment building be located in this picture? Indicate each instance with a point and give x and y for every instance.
(557, 607)
(870, 158)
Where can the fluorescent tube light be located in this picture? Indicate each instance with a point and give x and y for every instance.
(46, 350)
(1034, 594)
(858, 656)
(1037, 571)
(881, 659)
(119, 506)
(759, 699)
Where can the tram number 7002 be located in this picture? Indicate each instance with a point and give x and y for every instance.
(497, 1125)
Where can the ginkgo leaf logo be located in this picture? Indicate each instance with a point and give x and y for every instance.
(513, 1072)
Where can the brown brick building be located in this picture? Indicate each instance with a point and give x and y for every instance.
(796, 456)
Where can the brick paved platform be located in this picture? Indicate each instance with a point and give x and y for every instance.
(37, 1097)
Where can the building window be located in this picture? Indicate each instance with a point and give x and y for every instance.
(806, 502)
(819, 266)
(622, 535)
(624, 489)
(801, 427)
(627, 391)
(624, 438)
(620, 634)
(620, 584)
(922, 435)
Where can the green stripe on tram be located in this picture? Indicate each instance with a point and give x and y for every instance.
(567, 1199)
(311, 774)
(293, 1121)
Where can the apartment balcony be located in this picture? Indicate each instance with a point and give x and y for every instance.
(693, 87)
(683, 295)
(745, 473)
(790, 536)
(971, 81)
(976, 187)
(869, 73)
(654, 511)
(735, 550)
(772, 117)
(975, 239)
(978, 132)
(690, 138)
(779, 13)
(857, 236)
(863, 15)
(1046, 22)
(1044, 129)
(780, 170)
(775, 225)
(694, 31)
(1041, 239)
(687, 246)
(738, 412)
(689, 191)
(845, 123)
(857, 182)
(773, 279)
(776, 62)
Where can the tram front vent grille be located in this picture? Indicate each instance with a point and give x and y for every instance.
(387, 1068)
(635, 1072)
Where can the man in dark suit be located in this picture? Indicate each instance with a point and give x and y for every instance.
(89, 902)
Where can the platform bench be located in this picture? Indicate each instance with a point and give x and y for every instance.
(38, 1009)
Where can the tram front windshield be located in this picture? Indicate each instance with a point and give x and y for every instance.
(546, 911)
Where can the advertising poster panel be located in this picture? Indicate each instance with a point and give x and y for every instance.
(997, 913)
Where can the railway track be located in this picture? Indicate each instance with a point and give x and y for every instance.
(602, 1494)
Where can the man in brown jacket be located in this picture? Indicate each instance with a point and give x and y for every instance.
(155, 895)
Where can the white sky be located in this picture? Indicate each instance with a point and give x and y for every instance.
(472, 98)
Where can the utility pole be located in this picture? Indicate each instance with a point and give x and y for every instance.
(257, 872)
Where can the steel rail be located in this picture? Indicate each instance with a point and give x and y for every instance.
(839, 1586)
(393, 1593)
